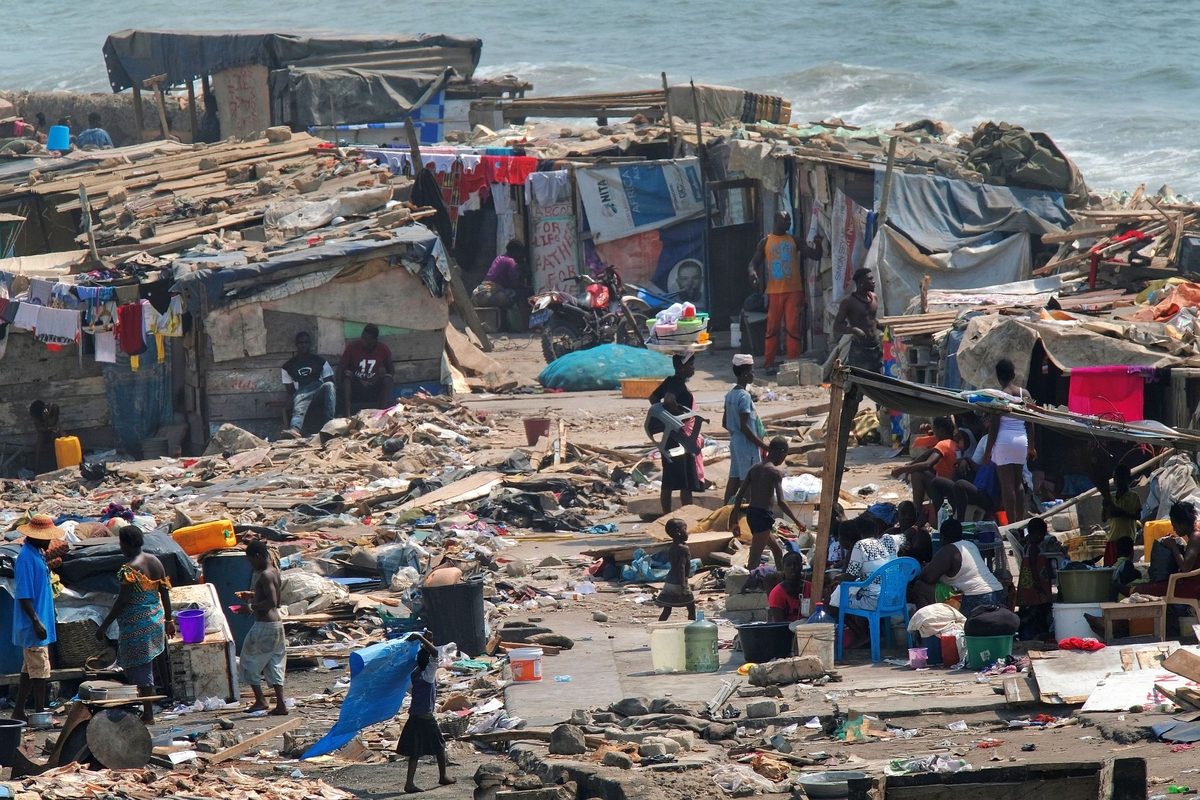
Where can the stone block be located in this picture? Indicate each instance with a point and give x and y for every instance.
(742, 617)
(755, 601)
(652, 750)
(567, 740)
(785, 671)
(617, 759)
(669, 745)
(618, 735)
(685, 739)
(760, 709)
(734, 583)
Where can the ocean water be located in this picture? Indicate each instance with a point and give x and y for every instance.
(1114, 82)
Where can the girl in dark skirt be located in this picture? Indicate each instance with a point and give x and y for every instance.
(682, 473)
(421, 736)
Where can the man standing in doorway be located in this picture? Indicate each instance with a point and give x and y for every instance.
(365, 371)
(858, 315)
(780, 252)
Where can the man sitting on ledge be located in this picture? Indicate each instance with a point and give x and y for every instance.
(365, 372)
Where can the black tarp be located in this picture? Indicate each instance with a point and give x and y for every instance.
(359, 95)
(93, 568)
(131, 56)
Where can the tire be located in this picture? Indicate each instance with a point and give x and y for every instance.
(559, 337)
(635, 338)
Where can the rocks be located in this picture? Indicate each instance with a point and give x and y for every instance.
(489, 774)
(232, 439)
(579, 716)
(599, 616)
(786, 671)
(652, 750)
(516, 569)
(716, 731)
(604, 718)
(618, 735)
(551, 561)
(567, 740)
(552, 639)
(669, 746)
(684, 739)
(614, 758)
(630, 707)
(760, 709)
(279, 133)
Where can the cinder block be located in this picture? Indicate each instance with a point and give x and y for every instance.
(810, 373)
(734, 583)
(755, 601)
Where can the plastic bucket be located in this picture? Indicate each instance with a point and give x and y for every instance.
(536, 428)
(816, 639)
(668, 650)
(983, 650)
(455, 614)
(765, 641)
(1069, 622)
(59, 138)
(949, 651)
(191, 625)
(526, 663)
(10, 740)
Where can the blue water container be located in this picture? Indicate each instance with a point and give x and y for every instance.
(59, 138)
(230, 573)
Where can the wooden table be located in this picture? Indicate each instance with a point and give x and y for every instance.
(1156, 611)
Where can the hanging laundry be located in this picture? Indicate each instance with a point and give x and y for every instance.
(169, 323)
(99, 306)
(57, 325)
(1110, 392)
(129, 329)
(27, 315)
(106, 346)
(545, 188)
(509, 169)
(8, 314)
(61, 296)
(39, 291)
(6, 282)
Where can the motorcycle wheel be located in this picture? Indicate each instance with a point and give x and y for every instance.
(635, 338)
(559, 337)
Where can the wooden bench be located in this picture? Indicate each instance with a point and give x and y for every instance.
(1156, 611)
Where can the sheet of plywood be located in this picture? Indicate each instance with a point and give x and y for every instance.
(471, 487)
(1125, 691)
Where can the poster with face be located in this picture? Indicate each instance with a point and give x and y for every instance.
(687, 278)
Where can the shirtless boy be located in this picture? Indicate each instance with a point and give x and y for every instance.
(764, 482)
(675, 592)
(858, 315)
(264, 650)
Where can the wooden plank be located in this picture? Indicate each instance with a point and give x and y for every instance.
(837, 432)
(468, 488)
(650, 508)
(1185, 663)
(1073, 788)
(254, 741)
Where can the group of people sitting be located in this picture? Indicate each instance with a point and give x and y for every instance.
(364, 377)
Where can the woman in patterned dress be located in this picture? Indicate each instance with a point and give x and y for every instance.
(143, 608)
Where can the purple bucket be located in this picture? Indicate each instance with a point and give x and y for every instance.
(191, 625)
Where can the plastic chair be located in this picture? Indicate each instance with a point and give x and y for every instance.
(1173, 599)
(894, 578)
(667, 425)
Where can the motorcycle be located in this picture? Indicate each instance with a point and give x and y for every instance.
(602, 314)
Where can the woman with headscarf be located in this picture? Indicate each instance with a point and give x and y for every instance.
(682, 473)
(143, 608)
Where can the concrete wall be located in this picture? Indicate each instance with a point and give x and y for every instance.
(116, 111)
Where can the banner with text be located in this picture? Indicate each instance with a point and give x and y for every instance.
(553, 250)
(624, 200)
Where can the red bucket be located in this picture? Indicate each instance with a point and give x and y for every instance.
(536, 428)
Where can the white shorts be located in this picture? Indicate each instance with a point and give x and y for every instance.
(1010, 452)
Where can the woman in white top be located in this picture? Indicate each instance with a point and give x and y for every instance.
(960, 566)
(1009, 448)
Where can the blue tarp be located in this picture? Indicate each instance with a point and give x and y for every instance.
(140, 402)
(379, 679)
(941, 215)
(603, 367)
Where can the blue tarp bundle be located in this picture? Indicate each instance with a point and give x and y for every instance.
(603, 368)
(379, 679)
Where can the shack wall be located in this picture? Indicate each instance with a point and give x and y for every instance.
(411, 321)
(29, 371)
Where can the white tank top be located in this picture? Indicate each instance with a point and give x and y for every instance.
(973, 577)
(1011, 428)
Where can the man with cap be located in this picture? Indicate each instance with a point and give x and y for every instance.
(682, 473)
(33, 615)
(746, 444)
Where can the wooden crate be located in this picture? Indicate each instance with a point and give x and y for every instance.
(639, 388)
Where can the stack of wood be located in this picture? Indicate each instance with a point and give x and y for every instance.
(75, 781)
(1161, 225)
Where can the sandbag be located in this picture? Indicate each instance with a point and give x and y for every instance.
(603, 368)
(991, 621)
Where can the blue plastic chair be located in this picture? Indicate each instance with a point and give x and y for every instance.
(893, 601)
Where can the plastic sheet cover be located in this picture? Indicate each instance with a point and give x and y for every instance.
(379, 679)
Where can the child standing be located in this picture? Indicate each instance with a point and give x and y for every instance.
(1034, 591)
(675, 592)
(764, 484)
(421, 736)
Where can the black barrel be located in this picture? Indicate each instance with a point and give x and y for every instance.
(455, 614)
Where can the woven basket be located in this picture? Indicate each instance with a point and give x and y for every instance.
(453, 726)
(77, 643)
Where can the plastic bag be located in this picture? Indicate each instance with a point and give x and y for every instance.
(603, 367)
(732, 777)
(297, 585)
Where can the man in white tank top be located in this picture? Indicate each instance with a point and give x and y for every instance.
(959, 565)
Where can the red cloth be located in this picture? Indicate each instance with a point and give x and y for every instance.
(130, 336)
(1075, 643)
(1135, 236)
(509, 169)
(784, 311)
(1101, 391)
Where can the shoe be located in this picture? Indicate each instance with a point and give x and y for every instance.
(771, 371)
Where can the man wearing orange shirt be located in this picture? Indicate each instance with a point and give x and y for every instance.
(780, 253)
(932, 473)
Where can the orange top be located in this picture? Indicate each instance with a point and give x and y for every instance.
(783, 265)
(944, 468)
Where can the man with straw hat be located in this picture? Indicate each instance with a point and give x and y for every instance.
(33, 616)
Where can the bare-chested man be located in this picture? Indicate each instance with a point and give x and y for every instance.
(858, 316)
(764, 482)
(264, 650)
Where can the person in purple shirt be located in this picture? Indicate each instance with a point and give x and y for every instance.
(504, 287)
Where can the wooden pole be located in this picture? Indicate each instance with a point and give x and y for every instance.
(462, 299)
(138, 120)
(674, 139)
(887, 182)
(837, 437)
(193, 115)
(160, 100)
(1140, 469)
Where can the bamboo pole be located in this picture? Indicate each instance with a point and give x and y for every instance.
(841, 414)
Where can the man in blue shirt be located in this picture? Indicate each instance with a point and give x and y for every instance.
(33, 615)
(94, 136)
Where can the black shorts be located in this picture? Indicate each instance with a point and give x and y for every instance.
(760, 520)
